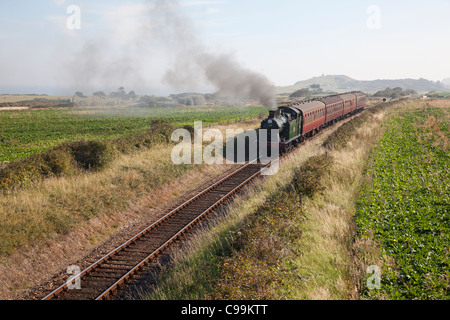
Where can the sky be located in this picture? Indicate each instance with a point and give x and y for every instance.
(46, 47)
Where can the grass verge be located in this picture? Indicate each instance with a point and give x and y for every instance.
(257, 251)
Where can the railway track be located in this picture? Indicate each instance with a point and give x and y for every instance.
(102, 279)
(106, 276)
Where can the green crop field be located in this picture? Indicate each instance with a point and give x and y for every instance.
(406, 205)
(27, 132)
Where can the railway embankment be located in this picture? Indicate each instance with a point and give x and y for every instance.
(294, 235)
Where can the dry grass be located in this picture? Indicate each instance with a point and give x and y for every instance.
(58, 221)
(325, 266)
(328, 263)
(198, 265)
(24, 97)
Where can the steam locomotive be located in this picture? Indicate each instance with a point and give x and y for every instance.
(300, 121)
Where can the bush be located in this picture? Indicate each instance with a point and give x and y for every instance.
(18, 174)
(308, 178)
(163, 128)
(300, 93)
(59, 161)
(339, 138)
(93, 155)
(88, 155)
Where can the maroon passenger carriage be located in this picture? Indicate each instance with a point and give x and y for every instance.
(299, 121)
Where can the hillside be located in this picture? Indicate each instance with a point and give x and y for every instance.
(342, 83)
(446, 82)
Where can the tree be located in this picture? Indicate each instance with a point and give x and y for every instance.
(119, 94)
(394, 93)
(132, 95)
(316, 89)
(300, 93)
(78, 94)
(99, 94)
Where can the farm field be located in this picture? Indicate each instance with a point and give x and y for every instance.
(27, 132)
(13, 98)
(404, 205)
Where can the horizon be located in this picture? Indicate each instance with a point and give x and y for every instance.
(43, 93)
(57, 47)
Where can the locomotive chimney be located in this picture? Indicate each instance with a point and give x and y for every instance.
(272, 114)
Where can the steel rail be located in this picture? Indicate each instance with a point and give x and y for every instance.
(136, 268)
(142, 233)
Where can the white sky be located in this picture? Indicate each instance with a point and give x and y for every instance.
(286, 40)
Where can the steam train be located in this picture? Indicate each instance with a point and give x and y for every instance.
(300, 121)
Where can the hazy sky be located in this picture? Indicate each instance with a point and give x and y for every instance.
(285, 40)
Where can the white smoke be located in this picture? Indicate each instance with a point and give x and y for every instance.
(166, 31)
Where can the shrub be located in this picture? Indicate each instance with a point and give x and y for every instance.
(190, 129)
(93, 155)
(88, 155)
(163, 128)
(18, 174)
(339, 138)
(58, 161)
(308, 178)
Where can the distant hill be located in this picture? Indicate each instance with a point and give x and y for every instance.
(446, 82)
(341, 83)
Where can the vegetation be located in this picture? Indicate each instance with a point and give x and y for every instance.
(308, 178)
(404, 208)
(308, 232)
(394, 93)
(37, 102)
(306, 92)
(203, 264)
(279, 248)
(342, 83)
(339, 139)
(28, 132)
(434, 94)
(271, 245)
(302, 93)
(70, 214)
(265, 252)
(72, 157)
